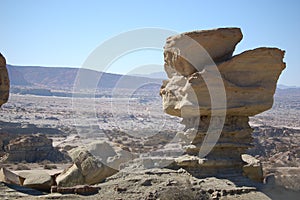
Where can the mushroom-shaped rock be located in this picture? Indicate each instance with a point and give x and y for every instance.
(216, 93)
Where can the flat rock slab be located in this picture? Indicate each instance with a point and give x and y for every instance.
(39, 181)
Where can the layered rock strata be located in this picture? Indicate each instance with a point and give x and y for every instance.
(32, 148)
(216, 93)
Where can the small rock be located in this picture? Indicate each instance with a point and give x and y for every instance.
(79, 189)
(9, 177)
(146, 183)
(210, 191)
(37, 180)
(253, 168)
(119, 189)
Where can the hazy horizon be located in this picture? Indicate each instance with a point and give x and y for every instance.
(64, 33)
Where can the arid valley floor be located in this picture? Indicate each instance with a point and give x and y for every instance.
(139, 125)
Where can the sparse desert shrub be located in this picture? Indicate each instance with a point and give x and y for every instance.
(50, 166)
(45, 162)
(22, 166)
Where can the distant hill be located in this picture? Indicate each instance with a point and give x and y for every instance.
(280, 86)
(158, 75)
(16, 77)
(45, 80)
(64, 78)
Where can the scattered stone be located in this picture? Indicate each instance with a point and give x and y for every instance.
(79, 189)
(119, 189)
(253, 168)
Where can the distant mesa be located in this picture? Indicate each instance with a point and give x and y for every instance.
(283, 87)
(28, 148)
(17, 78)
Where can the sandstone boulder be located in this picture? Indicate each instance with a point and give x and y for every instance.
(85, 170)
(189, 52)
(70, 177)
(93, 164)
(4, 81)
(215, 94)
(37, 180)
(9, 177)
(111, 155)
(253, 168)
(249, 82)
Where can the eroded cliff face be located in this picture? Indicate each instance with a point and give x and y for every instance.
(207, 84)
(4, 81)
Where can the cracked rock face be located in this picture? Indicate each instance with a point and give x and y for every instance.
(195, 63)
(4, 81)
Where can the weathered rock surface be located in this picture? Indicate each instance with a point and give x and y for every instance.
(79, 189)
(112, 156)
(155, 184)
(32, 148)
(38, 180)
(93, 164)
(9, 177)
(249, 82)
(253, 168)
(85, 170)
(215, 94)
(210, 45)
(4, 81)
(70, 177)
(172, 184)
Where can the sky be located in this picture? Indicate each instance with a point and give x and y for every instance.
(65, 32)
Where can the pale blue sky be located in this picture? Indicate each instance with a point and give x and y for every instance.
(65, 32)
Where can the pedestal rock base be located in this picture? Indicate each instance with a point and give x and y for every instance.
(225, 157)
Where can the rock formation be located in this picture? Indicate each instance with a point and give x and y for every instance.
(93, 164)
(9, 177)
(37, 180)
(32, 148)
(4, 81)
(215, 94)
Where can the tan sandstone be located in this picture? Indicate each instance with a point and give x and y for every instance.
(215, 94)
(4, 81)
